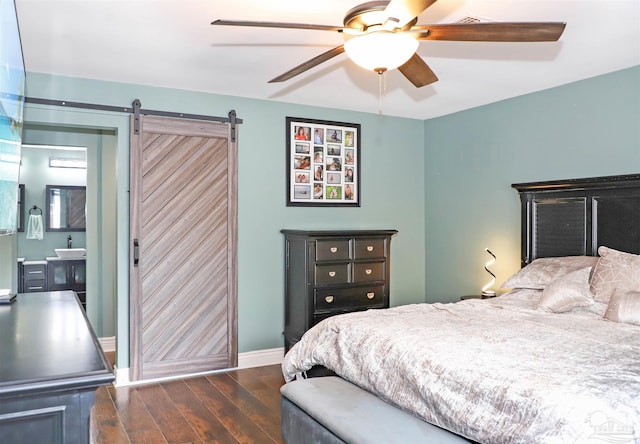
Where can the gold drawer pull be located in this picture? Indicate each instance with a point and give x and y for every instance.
(329, 299)
(371, 295)
(368, 271)
(332, 273)
(369, 247)
(333, 249)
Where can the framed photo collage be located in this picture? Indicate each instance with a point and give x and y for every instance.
(323, 163)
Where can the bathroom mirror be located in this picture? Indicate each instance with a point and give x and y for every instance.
(66, 208)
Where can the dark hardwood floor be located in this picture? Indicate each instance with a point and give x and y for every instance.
(239, 406)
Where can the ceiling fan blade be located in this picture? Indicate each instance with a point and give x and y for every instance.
(309, 64)
(493, 32)
(403, 11)
(277, 25)
(418, 72)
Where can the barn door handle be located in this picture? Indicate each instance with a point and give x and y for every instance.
(136, 252)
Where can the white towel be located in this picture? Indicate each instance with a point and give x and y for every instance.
(34, 227)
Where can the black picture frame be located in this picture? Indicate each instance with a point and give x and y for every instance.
(323, 163)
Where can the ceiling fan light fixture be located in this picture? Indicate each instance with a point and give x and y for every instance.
(381, 51)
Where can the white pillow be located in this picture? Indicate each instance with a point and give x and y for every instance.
(624, 307)
(541, 272)
(615, 272)
(568, 292)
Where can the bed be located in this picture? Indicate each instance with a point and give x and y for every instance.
(554, 360)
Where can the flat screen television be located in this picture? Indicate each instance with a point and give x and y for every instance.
(12, 84)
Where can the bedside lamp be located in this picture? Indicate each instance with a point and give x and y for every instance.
(486, 292)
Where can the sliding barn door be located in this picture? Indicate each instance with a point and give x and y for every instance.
(183, 310)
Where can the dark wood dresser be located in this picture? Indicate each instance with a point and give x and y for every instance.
(50, 366)
(333, 272)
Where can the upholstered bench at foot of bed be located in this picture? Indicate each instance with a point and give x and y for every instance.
(332, 410)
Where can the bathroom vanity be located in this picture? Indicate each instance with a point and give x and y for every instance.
(50, 366)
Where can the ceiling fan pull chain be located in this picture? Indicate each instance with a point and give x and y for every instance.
(380, 95)
(385, 83)
(382, 89)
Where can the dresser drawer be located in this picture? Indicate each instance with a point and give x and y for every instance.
(33, 285)
(340, 298)
(321, 317)
(32, 272)
(368, 248)
(332, 250)
(368, 271)
(331, 274)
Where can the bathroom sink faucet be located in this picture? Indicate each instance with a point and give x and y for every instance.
(69, 240)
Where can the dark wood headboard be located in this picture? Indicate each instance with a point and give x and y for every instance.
(574, 217)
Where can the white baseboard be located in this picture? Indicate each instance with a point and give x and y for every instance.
(260, 358)
(108, 344)
(257, 358)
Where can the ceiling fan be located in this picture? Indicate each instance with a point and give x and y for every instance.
(383, 35)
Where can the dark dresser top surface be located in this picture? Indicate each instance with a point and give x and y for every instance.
(334, 233)
(47, 343)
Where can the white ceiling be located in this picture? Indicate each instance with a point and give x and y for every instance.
(172, 44)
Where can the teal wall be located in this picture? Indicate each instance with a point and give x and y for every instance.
(392, 191)
(588, 128)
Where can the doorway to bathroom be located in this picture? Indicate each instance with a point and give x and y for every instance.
(56, 145)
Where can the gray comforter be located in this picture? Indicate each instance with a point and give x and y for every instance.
(494, 371)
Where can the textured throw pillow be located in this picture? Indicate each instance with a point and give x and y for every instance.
(541, 272)
(624, 307)
(569, 291)
(615, 272)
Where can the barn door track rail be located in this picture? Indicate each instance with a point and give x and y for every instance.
(136, 109)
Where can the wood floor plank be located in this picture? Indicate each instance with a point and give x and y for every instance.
(103, 406)
(270, 374)
(135, 417)
(202, 420)
(146, 437)
(109, 428)
(239, 425)
(112, 433)
(268, 419)
(170, 421)
(261, 383)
